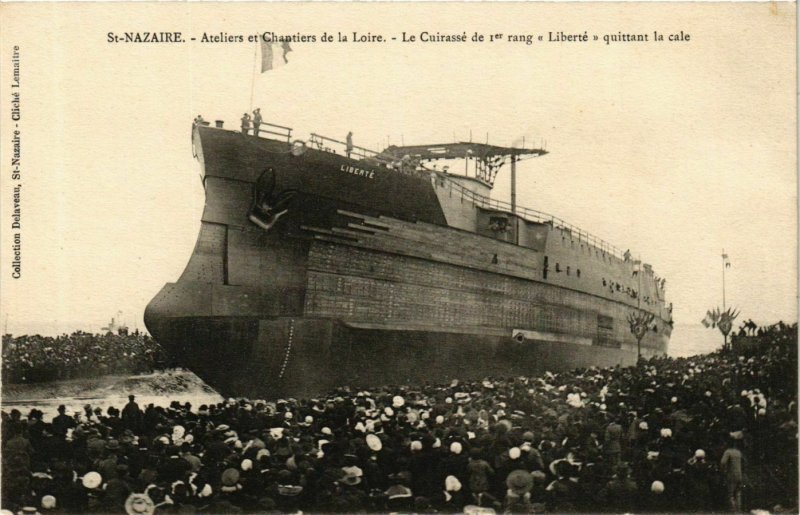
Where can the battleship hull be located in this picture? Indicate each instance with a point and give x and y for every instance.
(364, 275)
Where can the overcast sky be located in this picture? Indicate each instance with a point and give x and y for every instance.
(673, 150)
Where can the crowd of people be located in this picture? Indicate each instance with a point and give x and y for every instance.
(712, 432)
(31, 359)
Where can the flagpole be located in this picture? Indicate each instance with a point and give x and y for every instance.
(724, 336)
(723, 279)
(639, 277)
(253, 81)
(639, 308)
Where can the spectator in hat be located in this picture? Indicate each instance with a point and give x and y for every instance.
(518, 495)
(732, 468)
(479, 472)
(245, 123)
(132, 414)
(613, 443)
(62, 422)
(620, 493)
(699, 480)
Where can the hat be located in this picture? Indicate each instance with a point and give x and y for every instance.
(112, 445)
(327, 431)
(538, 475)
(206, 491)
(514, 453)
(137, 504)
(416, 445)
(455, 448)
(643, 426)
(657, 487)
(398, 401)
(48, 502)
(352, 475)
(527, 436)
(699, 453)
(452, 484)
(247, 464)
(230, 477)
(374, 443)
(398, 492)
(289, 490)
(92, 480)
(261, 453)
(519, 482)
(439, 419)
(666, 432)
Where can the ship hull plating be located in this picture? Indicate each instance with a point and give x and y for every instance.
(356, 275)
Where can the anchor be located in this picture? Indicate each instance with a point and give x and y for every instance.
(266, 208)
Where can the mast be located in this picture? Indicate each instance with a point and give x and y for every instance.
(513, 184)
(723, 279)
(253, 80)
(514, 197)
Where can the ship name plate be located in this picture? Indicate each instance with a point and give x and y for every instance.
(360, 172)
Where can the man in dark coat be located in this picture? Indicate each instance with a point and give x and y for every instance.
(62, 422)
(132, 415)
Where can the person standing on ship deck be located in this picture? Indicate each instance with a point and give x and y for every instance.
(256, 120)
(349, 143)
(245, 123)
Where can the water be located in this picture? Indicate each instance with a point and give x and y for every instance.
(158, 388)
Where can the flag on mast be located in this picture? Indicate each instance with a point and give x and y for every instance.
(711, 319)
(726, 261)
(273, 55)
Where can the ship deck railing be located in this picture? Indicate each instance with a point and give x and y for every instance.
(265, 128)
(326, 144)
(275, 130)
(533, 215)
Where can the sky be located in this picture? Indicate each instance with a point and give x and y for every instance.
(674, 150)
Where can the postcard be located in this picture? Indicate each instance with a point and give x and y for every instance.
(420, 248)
